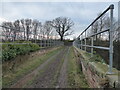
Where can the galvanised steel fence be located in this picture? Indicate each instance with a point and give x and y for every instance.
(80, 41)
(42, 42)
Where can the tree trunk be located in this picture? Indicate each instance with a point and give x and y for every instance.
(24, 32)
(61, 38)
(14, 36)
(27, 32)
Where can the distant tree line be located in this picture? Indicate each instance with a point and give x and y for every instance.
(28, 29)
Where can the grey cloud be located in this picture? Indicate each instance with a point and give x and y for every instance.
(81, 13)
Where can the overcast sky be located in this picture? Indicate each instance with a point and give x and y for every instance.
(81, 13)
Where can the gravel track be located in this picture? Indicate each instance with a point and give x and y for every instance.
(46, 79)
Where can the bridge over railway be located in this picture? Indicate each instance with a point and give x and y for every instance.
(65, 64)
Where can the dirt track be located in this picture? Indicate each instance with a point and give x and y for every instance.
(62, 79)
(23, 81)
(51, 74)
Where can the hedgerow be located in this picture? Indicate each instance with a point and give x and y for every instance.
(10, 51)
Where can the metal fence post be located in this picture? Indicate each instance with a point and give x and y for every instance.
(81, 42)
(78, 44)
(111, 40)
(40, 42)
(55, 42)
(49, 42)
(91, 47)
(92, 44)
(45, 43)
(85, 40)
(52, 42)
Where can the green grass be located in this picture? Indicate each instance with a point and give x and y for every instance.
(76, 79)
(28, 66)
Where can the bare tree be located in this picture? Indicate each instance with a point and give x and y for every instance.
(35, 29)
(28, 23)
(63, 26)
(95, 28)
(48, 28)
(42, 32)
(102, 24)
(116, 31)
(39, 29)
(7, 30)
(16, 30)
(23, 26)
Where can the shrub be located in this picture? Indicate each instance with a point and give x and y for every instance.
(10, 51)
(34, 47)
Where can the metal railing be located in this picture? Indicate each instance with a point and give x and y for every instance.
(42, 42)
(110, 48)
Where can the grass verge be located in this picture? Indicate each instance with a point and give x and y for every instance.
(76, 79)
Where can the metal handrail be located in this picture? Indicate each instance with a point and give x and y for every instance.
(96, 33)
(110, 48)
(110, 7)
(99, 47)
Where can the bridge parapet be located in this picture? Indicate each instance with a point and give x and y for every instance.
(95, 72)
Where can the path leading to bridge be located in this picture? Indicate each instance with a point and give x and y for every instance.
(53, 73)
